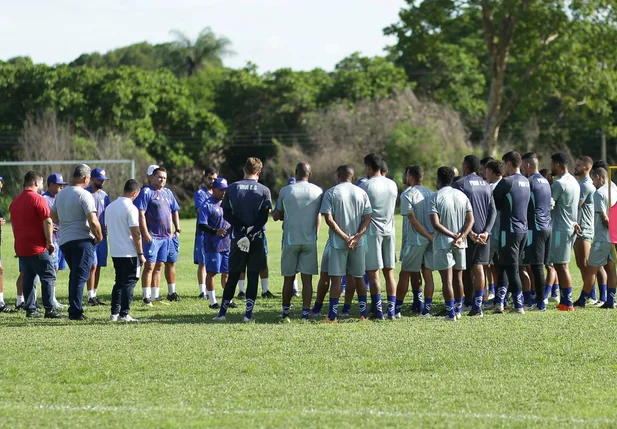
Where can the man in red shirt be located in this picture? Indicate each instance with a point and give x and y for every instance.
(33, 230)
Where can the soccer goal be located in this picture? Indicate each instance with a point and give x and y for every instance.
(118, 171)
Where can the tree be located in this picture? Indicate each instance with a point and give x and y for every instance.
(206, 50)
(533, 49)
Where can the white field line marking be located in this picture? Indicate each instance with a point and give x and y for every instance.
(309, 411)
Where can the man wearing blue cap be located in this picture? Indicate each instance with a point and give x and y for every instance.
(217, 241)
(101, 200)
(199, 253)
(55, 183)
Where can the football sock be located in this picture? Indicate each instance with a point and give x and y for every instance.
(478, 296)
(346, 308)
(428, 302)
(391, 305)
(527, 298)
(286, 308)
(399, 306)
(450, 308)
(212, 296)
(171, 288)
(362, 304)
(603, 291)
(378, 310)
(146, 292)
(241, 286)
(333, 308)
(593, 294)
(91, 294)
(202, 289)
(264, 285)
(566, 294)
(305, 312)
(156, 292)
(610, 296)
(317, 307)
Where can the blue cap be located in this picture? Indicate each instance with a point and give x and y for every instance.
(1, 178)
(99, 174)
(361, 180)
(219, 183)
(57, 179)
(291, 181)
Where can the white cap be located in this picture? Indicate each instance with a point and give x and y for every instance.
(151, 169)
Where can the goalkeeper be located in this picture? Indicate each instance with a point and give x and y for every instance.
(246, 206)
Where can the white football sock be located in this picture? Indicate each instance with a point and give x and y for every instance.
(53, 292)
(202, 288)
(146, 292)
(156, 291)
(2, 297)
(91, 294)
(264, 285)
(20, 299)
(94, 291)
(241, 285)
(295, 285)
(171, 288)
(212, 297)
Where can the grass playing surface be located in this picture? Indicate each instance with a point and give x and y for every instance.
(177, 368)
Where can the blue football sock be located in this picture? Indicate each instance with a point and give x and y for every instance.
(527, 297)
(518, 299)
(500, 296)
(346, 308)
(593, 294)
(491, 288)
(541, 304)
(417, 300)
(250, 303)
(317, 307)
(610, 296)
(286, 308)
(378, 310)
(603, 289)
(391, 305)
(344, 281)
(305, 312)
(399, 306)
(366, 283)
(362, 304)
(458, 305)
(548, 289)
(333, 308)
(224, 306)
(478, 296)
(583, 298)
(450, 308)
(567, 296)
(556, 290)
(534, 297)
(428, 302)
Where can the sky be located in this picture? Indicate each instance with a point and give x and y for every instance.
(301, 34)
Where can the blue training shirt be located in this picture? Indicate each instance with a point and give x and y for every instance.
(479, 193)
(211, 214)
(539, 209)
(512, 195)
(244, 203)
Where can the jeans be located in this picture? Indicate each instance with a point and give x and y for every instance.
(79, 255)
(43, 266)
(126, 279)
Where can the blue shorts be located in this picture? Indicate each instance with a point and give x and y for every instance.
(265, 244)
(199, 253)
(100, 254)
(58, 258)
(162, 250)
(218, 263)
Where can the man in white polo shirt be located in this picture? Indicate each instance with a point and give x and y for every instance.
(122, 221)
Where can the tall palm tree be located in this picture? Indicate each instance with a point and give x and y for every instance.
(208, 49)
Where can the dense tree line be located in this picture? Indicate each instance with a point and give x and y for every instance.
(526, 74)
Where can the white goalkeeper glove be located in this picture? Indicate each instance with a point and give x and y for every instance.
(244, 244)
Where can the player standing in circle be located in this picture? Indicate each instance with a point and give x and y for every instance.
(246, 207)
(512, 196)
(380, 239)
(199, 253)
(452, 219)
(101, 201)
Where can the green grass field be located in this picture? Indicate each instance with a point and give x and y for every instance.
(177, 368)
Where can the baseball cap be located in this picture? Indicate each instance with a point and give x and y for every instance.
(361, 181)
(151, 169)
(1, 179)
(291, 181)
(57, 179)
(99, 174)
(220, 183)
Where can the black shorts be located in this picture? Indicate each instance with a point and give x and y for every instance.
(511, 247)
(477, 254)
(538, 248)
(254, 260)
